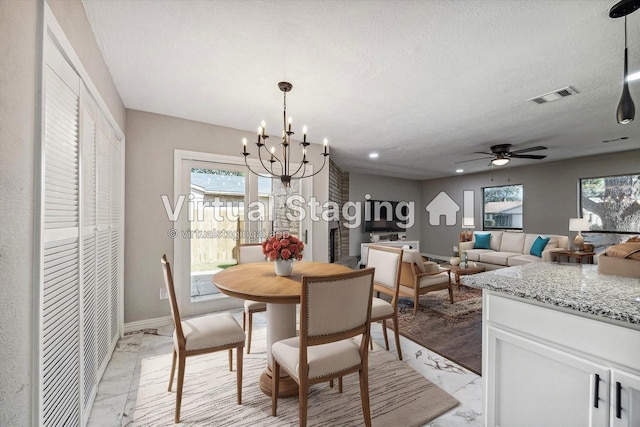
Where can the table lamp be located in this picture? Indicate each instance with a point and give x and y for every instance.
(579, 225)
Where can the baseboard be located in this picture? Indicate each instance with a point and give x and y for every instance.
(147, 324)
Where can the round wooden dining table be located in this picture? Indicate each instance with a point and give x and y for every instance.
(258, 282)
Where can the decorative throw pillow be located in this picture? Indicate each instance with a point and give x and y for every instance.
(624, 250)
(538, 246)
(430, 267)
(412, 255)
(482, 241)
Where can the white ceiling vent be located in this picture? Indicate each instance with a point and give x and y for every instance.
(553, 96)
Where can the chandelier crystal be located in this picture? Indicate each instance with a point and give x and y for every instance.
(283, 168)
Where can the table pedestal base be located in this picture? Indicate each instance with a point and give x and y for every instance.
(288, 387)
(281, 324)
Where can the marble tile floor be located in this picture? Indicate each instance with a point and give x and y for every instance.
(115, 401)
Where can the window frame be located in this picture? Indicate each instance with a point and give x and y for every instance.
(486, 225)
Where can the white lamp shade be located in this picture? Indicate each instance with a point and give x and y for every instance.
(579, 224)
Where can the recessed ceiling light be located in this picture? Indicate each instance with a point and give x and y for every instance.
(459, 170)
(373, 155)
(634, 76)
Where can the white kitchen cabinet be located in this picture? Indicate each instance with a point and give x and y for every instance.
(549, 367)
(536, 385)
(625, 399)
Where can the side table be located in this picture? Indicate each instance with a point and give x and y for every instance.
(579, 256)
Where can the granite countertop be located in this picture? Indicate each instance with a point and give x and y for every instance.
(574, 287)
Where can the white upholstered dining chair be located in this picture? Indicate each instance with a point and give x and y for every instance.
(333, 310)
(386, 261)
(201, 335)
(250, 252)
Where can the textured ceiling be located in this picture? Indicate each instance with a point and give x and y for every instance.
(424, 83)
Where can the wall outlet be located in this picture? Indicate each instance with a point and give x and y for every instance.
(163, 293)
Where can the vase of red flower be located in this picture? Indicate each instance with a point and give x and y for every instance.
(283, 249)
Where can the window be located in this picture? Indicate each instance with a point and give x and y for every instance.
(502, 207)
(217, 194)
(611, 203)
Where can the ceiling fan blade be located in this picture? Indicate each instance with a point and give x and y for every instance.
(527, 150)
(473, 160)
(527, 156)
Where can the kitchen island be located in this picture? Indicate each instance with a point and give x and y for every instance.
(561, 346)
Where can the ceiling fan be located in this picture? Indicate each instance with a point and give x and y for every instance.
(501, 154)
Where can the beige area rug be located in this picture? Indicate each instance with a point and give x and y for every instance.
(399, 396)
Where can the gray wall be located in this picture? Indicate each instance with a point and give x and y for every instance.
(382, 188)
(19, 28)
(73, 19)
(17, 118)
(151, 140)
(550, 195)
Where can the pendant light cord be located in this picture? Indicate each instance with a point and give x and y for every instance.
(625, 32)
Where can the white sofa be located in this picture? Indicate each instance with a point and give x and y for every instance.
(511, 248)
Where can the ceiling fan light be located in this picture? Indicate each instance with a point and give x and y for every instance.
(500, 161)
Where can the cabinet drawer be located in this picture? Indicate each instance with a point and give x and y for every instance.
(603, 340)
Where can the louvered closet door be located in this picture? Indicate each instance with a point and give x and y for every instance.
(115, 232)
(81, 253)
(103, 256)
(90, 366)
(60, 274)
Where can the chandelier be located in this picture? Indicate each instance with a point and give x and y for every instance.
(283, 167)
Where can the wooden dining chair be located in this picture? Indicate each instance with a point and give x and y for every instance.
(418, 277)
(201, 335)
(386, 261)
(333, 310)
(250, 252)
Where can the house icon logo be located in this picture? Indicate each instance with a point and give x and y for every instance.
(442, 205)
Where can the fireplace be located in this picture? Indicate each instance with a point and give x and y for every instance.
(334, 241)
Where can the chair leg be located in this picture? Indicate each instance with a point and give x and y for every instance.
(451, 293)
(249, 333)
(340, 385)
(416, 302)
(173, 369)
(396, 329)
(384, 333)
(364, 396)
(370, 341)
(244, 320)
(230, 359)
(303, 397)
(239, 356)
(182, 359)
(275, 386)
